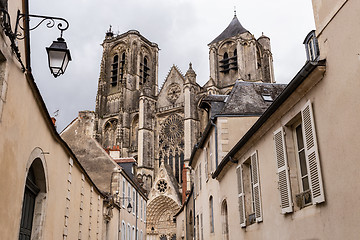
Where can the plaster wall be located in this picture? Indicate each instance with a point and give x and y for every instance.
(334, 104)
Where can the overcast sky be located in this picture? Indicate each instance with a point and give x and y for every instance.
(181, 28)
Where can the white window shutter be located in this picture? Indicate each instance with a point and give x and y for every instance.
(241, 196)
(256, 186)
(206, 164)
(283, 172)
(312, 154)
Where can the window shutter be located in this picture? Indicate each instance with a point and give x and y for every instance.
(283, 172)
(206, 164)
(241, 196)
(256, 186)
(312, 154)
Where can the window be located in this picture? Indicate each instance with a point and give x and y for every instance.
(311, 47)
(304, 163)
(201, 227)
(144, 71)
(249, 197)
(114, 70)
(133, 201)
(133, 233)
(197, 228)
(211, 210)
(199, 176)
(225, 225)
(123, 230)
(206, 162)
(122, 66)
(123, 193)
(141, 235)
(267, 98)
(144, 211)
(129, 232)
(224, 64)
(141, 209)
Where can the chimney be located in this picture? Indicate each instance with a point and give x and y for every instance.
(184, 184)
(53, 121)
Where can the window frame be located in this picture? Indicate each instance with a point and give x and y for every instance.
(286, 150)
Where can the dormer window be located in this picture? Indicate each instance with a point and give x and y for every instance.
(114, 70)
(311, 47)
(267, 98)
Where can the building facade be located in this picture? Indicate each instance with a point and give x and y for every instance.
(287, 176)
(159, 127)
(46, 194)
(125, 200)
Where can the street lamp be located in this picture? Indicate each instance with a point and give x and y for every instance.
(129, 208)
(59, 57)
(58, 53)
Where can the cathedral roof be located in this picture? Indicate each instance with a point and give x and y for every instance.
(232, 30)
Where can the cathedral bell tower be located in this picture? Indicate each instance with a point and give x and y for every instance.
(128, 85)
(237, 55)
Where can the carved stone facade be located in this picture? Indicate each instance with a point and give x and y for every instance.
(159, 127)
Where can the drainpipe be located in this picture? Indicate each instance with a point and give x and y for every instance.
(194, 214)
(216, 141)
(232, 160)
(136, 215)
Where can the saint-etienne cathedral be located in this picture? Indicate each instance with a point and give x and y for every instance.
(158, 126)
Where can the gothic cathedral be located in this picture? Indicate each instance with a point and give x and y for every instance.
(159, 127)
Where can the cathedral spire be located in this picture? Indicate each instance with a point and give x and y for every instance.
(232, 30)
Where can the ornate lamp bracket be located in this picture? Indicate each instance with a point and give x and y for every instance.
(62, 25)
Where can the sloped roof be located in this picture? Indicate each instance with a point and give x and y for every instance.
(247, 98)
(96, 162)
(232, 30)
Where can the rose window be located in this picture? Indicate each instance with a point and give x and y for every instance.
(173, 129)
(162, 186)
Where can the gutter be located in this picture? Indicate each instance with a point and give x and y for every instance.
(299, 78)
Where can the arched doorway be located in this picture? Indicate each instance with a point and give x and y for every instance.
(34, 198)
(31, 191)
(160, 213)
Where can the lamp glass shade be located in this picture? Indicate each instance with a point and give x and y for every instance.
(58, 56)
(129, 208)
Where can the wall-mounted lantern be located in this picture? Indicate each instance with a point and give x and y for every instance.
(58, 53)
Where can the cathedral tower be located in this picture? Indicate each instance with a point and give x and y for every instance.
(125, 102)
(237, 55)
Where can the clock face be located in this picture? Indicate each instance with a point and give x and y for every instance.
(173, 92)
(172, 130)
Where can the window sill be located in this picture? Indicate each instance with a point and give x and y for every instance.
(305, 212)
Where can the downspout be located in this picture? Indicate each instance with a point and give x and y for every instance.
(216, 141)
(233, 161)
(27, 35)
(136, 215)
(194, 218)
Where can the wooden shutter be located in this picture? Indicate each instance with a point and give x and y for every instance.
(256, 186)
(241, 196)
(283, 172)
(206, 164)
(312, 154)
